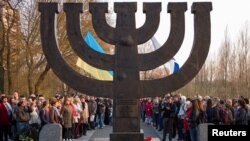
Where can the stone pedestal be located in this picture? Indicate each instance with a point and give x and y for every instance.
(126, 121)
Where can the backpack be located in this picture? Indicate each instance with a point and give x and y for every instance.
(226, 116)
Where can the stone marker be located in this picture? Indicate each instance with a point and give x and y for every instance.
(51, 132)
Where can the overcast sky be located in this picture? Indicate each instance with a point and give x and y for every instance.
(233, 14)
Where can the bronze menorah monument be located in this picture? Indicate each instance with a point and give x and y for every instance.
(126, 87)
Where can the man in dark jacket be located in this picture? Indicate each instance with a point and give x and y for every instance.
(92, 111)
(100, 113)
(168, 116)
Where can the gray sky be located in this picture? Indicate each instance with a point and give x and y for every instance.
(233, 14)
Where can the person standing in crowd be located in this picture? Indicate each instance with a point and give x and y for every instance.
(241, 118)
(15, 98)
(34, 115)
(192, 120)
(209, 110)
(14, 101)
(235, 106)
(40, 101)
(67, 120)
(185, 121)
(229, 105)
(84, 116)
(110, 101)
(107, 111)
(22, 115)
(216, 111)
(248, 110)
(227, 113)
(5, 118)
(78, 108)
(54, 113)
(168, 115)
(100, 113)
(44, 114)
(181, 115)
(156, 112)
(177, 105)
(142, 109)
(149, 112)
(75, 119)
(160, 114)
(92, 112)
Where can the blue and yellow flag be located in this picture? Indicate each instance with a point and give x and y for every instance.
(95, 72)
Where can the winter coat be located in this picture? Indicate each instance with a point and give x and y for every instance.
(182, 109)
(23, 114)
(54, 115)
(216, 119)
(209, 112)
(148, 108)
(193, 118)
(168, 110)
(241, 118)
(92, 107)
(155, 108)
(85, 113)
(185, 120)
(4, 118)
(44, 116)
(67, 116)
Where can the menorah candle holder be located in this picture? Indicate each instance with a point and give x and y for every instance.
(126, 87)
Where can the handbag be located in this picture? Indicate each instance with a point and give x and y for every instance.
(92, 118)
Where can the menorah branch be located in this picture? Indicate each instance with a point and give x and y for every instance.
(152, 11)
(92, 57)
(59, 65)
(190, 69)
(102, 29)
(162, 55)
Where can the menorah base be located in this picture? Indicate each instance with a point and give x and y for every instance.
(127, 136)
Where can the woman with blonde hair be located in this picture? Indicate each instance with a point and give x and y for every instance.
(192, 120)
(78, 108)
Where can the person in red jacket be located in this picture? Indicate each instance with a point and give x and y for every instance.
(185, 121)
(5, 116)
(149, 111)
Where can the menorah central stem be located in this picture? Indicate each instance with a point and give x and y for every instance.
(126, 73)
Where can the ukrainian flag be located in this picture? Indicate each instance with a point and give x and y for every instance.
(95, 72)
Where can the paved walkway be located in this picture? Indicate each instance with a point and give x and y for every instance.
(103, 134)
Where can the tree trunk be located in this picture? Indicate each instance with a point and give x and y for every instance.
(8, 65)
(41, 79)
(2, 46)
(8, 57)
(29, 81)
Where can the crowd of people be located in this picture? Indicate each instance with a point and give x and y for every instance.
(76, 114)
(174, 115)
(177, 115)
